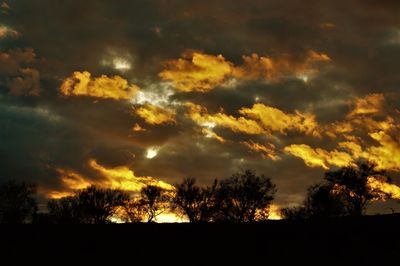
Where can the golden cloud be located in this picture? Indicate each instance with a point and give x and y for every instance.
(267, 151)
(120, 177)
(211, 134)
(200, 115)
(319, 157)
(197, 71)
(6, 31)
(156, 115)
(370, 104)
(259, 119)
(273, 69)
(381, 186)
(82, 84)
(71, 181)
(387, 154)
(275, 120)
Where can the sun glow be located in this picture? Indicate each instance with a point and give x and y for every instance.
(152, 152)
(121, 64)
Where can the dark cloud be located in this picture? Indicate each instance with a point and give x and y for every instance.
(43, 130)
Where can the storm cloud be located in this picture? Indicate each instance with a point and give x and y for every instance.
(171, 89)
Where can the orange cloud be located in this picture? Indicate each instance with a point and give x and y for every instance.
(381, 186)
(267, 151)
(138, 128)
(197, 71)
(387, 154)
(122, 177)
(273, 69)
(338, 128)
(319, 157)
(200, 115)
(275, 120)
(71, 181)
(370, 104)
(211, 134)
(156, 115)
(82, 84)
(6, 31)
(259, 119)
(354, 148)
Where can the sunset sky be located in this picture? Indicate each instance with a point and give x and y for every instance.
(126, 93)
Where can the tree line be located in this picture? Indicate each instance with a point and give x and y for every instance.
(244, 197)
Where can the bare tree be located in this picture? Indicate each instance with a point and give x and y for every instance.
(351, 183)
(17, 202)
(133, 211)
(195, 202)
(243, 195)
(154, 200)
(320, 203)
(92, 205)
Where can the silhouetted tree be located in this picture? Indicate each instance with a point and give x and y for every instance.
(133, 211)
(344, 192)
(351, 184)
(66, 210)
(195, 202)
(243, 195)
(294, 213)
(17, 202)
(322, 202)
(92, 205)
(154, 201)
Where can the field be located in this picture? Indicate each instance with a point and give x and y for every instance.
(367, 240)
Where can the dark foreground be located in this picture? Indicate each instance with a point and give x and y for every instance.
(363, 241)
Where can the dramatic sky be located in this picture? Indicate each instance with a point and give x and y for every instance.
(123, 93)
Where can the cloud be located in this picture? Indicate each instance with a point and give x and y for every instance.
(17, 72)
(381, 186)
(208, 133)
(124, 178)
(103, 87)
(259, 119)
(370, 104)
(273, 69)
(319, 157)
(8, 32)
(200, 115)
(13, 60)
(197, 71)
(120, 177)
(156, 115)
(275, 120)
(267, 151)
(387, 154)
(27, 83)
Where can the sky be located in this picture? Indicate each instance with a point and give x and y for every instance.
(127, 93)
